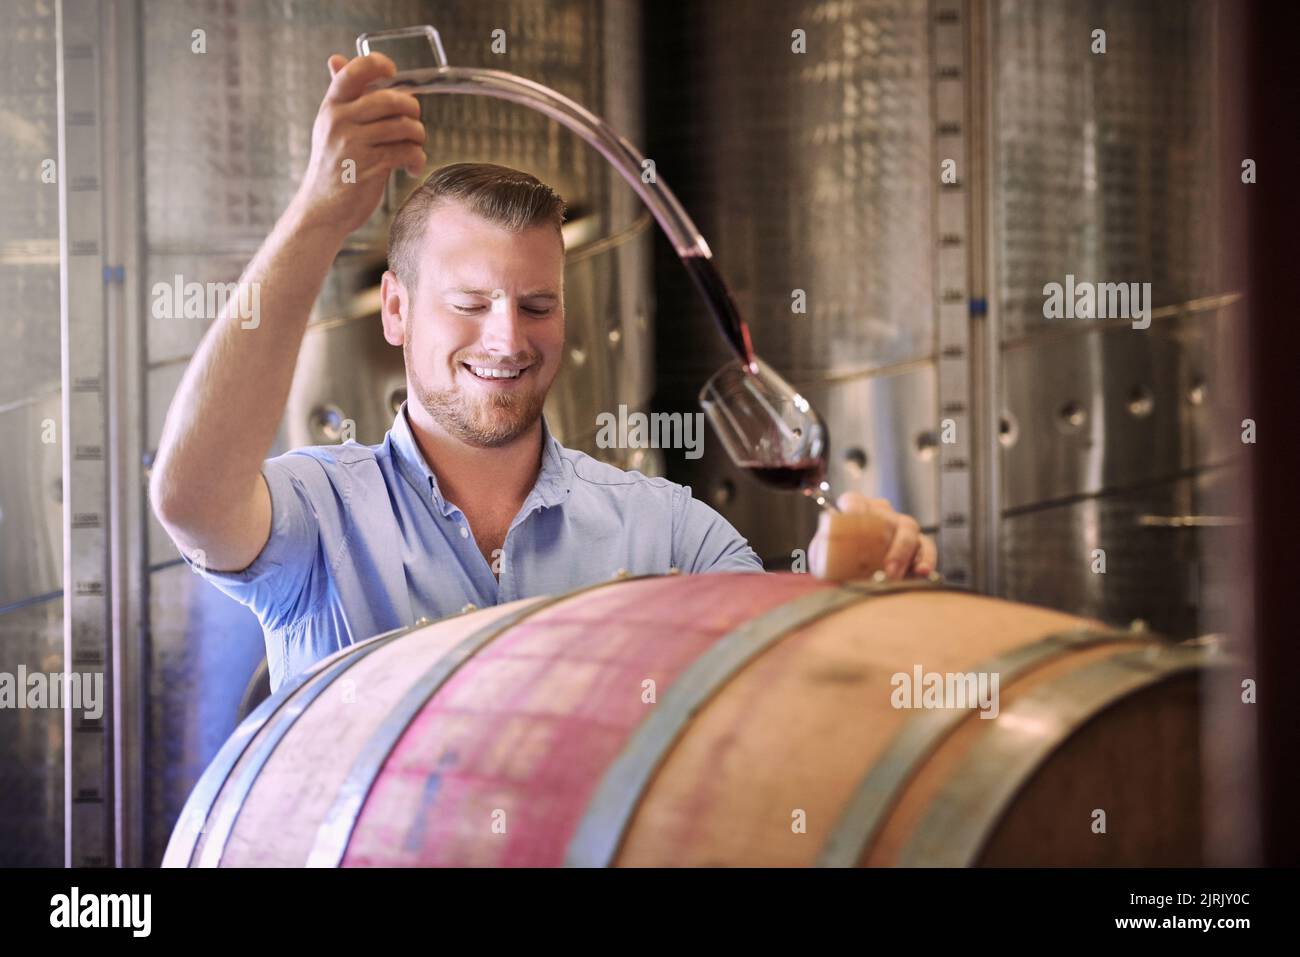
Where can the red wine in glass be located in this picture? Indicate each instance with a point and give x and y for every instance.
(768, 428)
(788, 476)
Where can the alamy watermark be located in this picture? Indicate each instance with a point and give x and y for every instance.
(931, 689)
(208, 300)
(656, 430)
(1104, 300)
(130, 911)
(77, 690)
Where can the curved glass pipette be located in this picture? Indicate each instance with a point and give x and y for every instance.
(686, 239)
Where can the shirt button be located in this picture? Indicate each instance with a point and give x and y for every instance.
(464, 532)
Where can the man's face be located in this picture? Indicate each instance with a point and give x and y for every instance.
(483, 331)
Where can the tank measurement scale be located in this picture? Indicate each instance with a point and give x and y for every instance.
(953, 306)
(87, 599)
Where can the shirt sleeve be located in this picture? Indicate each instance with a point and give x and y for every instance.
(704, 541)
(279, 584)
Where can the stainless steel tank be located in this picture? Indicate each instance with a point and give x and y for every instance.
(1116, 440)
(31, 607)
(806, 172)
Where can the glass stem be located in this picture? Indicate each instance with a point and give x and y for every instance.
(821, 495)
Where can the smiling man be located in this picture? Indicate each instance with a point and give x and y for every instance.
(469, 500)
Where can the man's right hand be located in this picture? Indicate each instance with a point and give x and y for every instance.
(206, 486)
(378, 132)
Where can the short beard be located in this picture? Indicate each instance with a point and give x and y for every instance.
(490, 422)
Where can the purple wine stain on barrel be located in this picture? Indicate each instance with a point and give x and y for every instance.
(804, 474)
(709, 281)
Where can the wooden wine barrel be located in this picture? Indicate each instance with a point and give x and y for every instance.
(731, 719)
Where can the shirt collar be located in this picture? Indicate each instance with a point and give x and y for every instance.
(554, 481)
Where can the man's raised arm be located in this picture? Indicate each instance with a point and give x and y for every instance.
(206, 486)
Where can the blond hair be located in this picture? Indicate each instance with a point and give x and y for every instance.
(508, 197)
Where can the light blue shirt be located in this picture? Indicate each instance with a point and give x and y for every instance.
(362, 542)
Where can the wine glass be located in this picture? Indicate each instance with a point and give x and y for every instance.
(769, 429)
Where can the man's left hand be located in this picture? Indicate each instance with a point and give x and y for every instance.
(867, 536)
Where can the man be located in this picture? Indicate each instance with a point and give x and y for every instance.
(469, 499)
